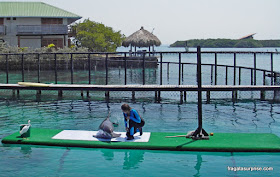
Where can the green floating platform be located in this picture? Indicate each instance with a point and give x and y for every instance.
(222, 142)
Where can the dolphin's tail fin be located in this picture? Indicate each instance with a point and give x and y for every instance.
(115, 135)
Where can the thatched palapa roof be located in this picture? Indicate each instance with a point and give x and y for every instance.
(141, 38)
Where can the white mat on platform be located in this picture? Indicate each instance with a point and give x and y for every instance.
(88, 136)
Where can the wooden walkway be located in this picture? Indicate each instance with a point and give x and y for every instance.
(86, 87)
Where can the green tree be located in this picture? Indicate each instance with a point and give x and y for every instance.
(96, 36)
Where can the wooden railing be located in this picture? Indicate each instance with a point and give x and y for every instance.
(41, 29)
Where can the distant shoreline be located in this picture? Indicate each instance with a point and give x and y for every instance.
(227, 43)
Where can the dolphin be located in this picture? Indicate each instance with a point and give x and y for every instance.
(106, 130)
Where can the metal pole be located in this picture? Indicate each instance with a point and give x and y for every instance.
(234, 71)
(7, 69)
(183, 73)
(271, 66)
(72, 68)
(179, 83)
(106, 65)
(263, 92)
(211, 74)
(255, 69)
(199, 92)
(216, 68)
(160, 81)
(22, 67)
(252, 81)
(55, 68)
(125, 69)
(199, 133)
(144, 53)
(39, 68)
(89, 69)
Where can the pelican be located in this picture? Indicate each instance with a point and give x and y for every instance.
(25, 128)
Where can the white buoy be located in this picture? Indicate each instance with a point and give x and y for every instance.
(25, 128)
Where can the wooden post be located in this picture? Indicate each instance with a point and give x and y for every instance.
(60, 93)
(107, 95)
(208, 97)
(226, 74)
(181, 97)
(234, 96)
(239, 77)
(167, 70)
(156, 96)
(133, 95)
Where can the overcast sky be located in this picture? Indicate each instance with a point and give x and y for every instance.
(174, 20)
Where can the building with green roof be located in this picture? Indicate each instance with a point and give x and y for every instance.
(34, 24)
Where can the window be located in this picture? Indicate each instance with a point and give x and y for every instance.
(1, 21)
(14, 18)
(46, 21)
(8, 18)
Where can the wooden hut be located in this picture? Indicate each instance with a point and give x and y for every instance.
(141, 38)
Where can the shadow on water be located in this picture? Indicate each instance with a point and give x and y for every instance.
(132, 159)
(62, 160)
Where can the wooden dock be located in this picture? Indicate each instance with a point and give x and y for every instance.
(183, 89)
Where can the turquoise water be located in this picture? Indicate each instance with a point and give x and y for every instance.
(74, 112)
(220, 116)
